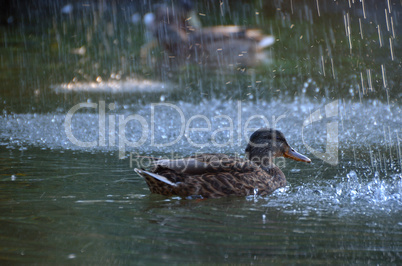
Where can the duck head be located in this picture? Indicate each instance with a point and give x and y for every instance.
(170, 25)
(266, 144)
(177, 16)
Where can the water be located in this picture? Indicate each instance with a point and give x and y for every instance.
(91, 208)
(74, 198)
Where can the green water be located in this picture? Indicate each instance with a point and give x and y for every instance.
(90, 208)
(65, 204)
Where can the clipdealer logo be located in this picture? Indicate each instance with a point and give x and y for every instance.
(117, 128)
(331, 150)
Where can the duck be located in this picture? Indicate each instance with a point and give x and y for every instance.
(219, 175)
(178, 31)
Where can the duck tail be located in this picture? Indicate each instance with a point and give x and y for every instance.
(266, 41)
(144, 173)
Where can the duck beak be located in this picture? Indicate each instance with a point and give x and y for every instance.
(292, 154)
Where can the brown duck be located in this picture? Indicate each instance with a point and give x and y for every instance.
(219, 175)
(178, 31)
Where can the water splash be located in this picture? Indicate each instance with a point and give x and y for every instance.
(356, 193)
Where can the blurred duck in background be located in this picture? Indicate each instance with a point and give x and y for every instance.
(177, 30)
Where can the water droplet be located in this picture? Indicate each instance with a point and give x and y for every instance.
(255, 191)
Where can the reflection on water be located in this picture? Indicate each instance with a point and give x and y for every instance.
(113, 86)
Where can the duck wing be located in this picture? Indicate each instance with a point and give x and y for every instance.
(211, 176)
(206, 163)
(220, 33)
